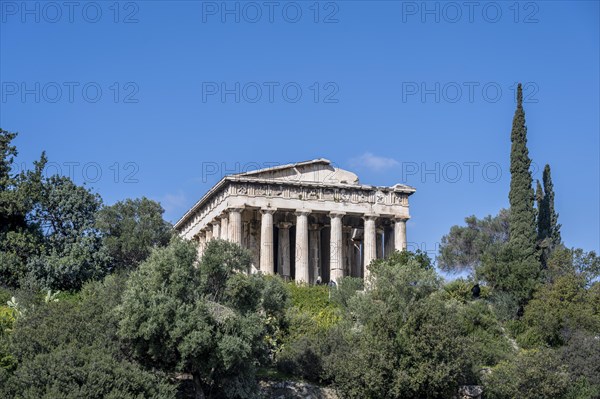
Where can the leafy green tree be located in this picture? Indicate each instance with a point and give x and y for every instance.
(564, 261)
(464, 247)
(20, 238)
(402, 279)
(401, 338)
(7, 154)
(130, 229)
(408, 257)
(581, 354)
(220, 261)
(425, 356)
(18, 247)
(563, 305)
(69, 349)
(510, 276)
(14, 204)
(198, 320)
(73, 251)
(66, 211)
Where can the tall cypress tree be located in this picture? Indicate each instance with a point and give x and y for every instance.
(516, 267)
(522, 220)
(543, 222)
(552, 225)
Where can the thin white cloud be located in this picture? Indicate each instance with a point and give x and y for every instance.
(373, 162)
(174, 202)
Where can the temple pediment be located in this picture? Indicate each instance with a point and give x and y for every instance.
(315, 171)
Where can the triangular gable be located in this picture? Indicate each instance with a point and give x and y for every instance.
(315, 171)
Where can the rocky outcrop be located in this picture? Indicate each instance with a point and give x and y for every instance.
(470, 392)
(295, 390)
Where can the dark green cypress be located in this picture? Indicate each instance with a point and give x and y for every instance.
(543, 222)
(523, 234)
(516, 268)
(552, 225)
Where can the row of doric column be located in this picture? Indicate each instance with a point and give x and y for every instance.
(345, 253)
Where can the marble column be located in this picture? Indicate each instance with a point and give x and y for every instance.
(216, 231)
(283, 252)
(400, 233)
(266, 241)
(336, 247)
(201, 243)
(208, 234)
(315, 253)
(302, 273)
(253, 244)
(235, 225)
(224, 226)
(369, 243)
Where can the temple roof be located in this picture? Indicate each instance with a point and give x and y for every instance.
(315, 171)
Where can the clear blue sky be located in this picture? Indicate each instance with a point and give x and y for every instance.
(398, 92)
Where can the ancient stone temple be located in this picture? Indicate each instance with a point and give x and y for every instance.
(308, 221)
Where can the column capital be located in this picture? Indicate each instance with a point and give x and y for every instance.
(236, 209)
(216, 222)
(302, 212)
(284, 225)
(336, 214)
(400, 218)
(370, 216)
(315, 226)
(268, 210)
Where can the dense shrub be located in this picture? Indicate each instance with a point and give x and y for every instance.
(207, 321)
(534, 374)
(489, 343)
(581, 355)
(400, 338)
(565, 304)
(69, 349)
(71, 371)
(311, 315)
